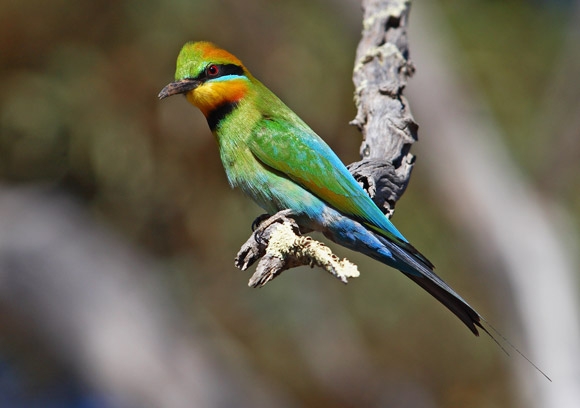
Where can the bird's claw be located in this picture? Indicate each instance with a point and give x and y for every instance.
(259, 220)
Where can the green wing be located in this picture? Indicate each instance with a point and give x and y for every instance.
(307, 160)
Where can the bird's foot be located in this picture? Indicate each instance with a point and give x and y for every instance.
(259, 220)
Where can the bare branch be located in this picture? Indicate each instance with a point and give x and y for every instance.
(380, 75)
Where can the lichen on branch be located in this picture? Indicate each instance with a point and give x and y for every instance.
(279, 245)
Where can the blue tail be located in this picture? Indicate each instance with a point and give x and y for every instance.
(424, 276)
(353, 235)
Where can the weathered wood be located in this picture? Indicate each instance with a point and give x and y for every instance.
(380, 75)
(381, 181)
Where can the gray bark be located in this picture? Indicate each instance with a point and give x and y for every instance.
(380, 75)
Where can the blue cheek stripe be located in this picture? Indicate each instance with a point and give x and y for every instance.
(228, 78)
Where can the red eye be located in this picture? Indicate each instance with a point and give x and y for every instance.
(212, 70)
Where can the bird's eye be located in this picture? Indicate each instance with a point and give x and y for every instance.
(212, 70)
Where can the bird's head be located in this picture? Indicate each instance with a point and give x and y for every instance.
(208, 76)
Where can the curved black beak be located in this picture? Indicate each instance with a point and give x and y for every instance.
(178, 87)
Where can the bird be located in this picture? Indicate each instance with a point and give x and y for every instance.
(276, 159)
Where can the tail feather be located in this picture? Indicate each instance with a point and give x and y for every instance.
(423, 275)
(407, 259)
(461, 309)
(420, 273)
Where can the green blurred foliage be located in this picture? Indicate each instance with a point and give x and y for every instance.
(78, 109)
(526, 63)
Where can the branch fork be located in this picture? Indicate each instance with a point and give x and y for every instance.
(279, 245)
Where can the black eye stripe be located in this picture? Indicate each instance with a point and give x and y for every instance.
(223, 70)
(230, 69)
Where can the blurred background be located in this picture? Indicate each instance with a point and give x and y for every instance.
(118, 229)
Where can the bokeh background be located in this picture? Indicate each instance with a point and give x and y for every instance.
(81, 126)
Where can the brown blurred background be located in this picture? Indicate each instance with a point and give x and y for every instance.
(80, 118)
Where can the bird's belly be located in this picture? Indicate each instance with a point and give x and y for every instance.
(274, 192)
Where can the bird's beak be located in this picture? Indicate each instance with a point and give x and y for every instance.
(178, 87)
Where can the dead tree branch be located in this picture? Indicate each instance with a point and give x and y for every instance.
(380, 75)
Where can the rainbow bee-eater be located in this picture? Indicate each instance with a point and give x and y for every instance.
(282, 164)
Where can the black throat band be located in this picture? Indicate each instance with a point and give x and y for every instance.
(218, 114)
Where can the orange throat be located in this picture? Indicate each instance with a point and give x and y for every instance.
(212, 95)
